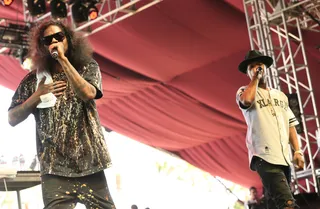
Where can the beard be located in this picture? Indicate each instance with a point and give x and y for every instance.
(263, 80)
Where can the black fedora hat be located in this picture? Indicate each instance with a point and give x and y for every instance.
(254, 56)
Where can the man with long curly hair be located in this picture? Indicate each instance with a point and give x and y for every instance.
(70, 142)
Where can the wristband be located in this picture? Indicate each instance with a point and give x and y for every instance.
(299, 152)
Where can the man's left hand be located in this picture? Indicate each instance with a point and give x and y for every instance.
(298, 160)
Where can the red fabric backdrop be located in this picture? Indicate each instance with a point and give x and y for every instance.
(170, 77)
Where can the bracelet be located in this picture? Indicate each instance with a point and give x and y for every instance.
(299, 152)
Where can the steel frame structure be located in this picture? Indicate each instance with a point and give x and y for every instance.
(275, 28)
(110, 12)
(13, 37)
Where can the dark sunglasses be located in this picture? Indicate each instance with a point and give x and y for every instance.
(47, 40)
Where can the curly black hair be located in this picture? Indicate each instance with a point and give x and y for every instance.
(79, 51)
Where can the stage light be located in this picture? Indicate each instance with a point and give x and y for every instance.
(6, 2)
(58, 9)
(93, 12)
(295, 108)
(79, 12)
(83, 11)
(36, 7)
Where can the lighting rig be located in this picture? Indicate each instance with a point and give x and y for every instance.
(88, 16)
(14, 38)
(6, 2)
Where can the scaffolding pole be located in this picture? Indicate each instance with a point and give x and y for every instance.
(275, 28)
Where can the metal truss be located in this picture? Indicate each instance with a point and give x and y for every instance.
(275, 28)
(13, 38)
(110, 12)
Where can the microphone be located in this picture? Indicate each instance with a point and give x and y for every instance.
(259, 69)
(54, 53)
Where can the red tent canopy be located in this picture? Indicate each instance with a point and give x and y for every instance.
(170, 78)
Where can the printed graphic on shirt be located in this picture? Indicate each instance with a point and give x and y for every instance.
(276, 103)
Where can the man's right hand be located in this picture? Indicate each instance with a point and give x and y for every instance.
(56, 88)
(259, 73)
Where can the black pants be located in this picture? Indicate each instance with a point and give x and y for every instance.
(276, 181)
(65, 192)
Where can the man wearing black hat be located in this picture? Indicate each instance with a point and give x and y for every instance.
(271, 130)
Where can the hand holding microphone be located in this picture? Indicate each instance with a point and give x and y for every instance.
(54, 53)
(259, 72)
(56, 50)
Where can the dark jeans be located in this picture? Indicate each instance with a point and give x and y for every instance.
(276, 181)
(65, 192)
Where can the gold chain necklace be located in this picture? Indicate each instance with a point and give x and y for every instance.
(268, 100)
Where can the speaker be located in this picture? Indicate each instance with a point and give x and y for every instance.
(295, 107)
(318, 184)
